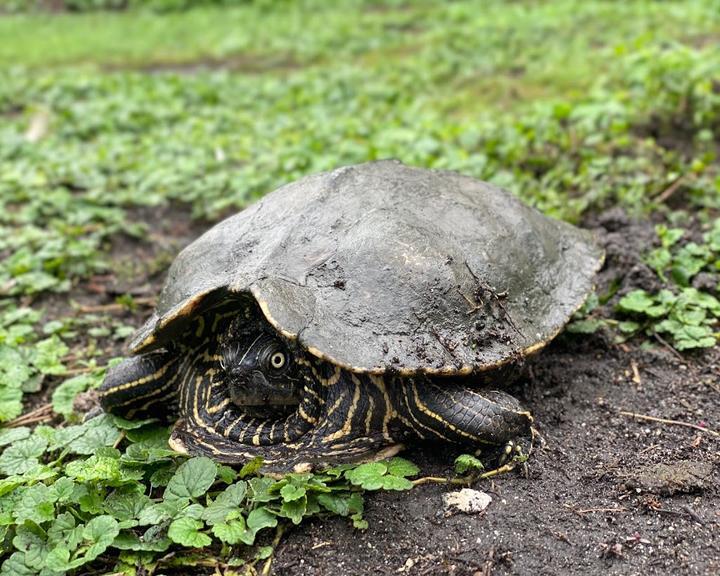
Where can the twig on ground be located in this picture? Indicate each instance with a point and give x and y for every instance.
(83, 370)
(669, 347)
(43, 413)
(116, 306)
(665, 195)
(686, 511)
(467, 480)
(668, 421)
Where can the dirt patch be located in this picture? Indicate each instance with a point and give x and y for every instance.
(606, 494)
(671, 478)
(577, 511)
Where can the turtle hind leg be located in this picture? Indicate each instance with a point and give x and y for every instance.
(453, 412)
(142, 386)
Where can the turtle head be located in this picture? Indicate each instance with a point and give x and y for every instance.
(261, 373)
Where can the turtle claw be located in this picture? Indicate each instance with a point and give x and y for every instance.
(510, 450)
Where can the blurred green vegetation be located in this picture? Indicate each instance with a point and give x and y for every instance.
(575, 107)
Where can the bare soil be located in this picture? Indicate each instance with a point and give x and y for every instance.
(606, 493)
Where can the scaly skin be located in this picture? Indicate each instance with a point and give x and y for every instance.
(334, 415)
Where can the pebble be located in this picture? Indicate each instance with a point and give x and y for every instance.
(467, 501)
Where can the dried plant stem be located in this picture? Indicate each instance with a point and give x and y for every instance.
(672, 422)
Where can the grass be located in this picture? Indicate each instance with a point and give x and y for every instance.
(575, 107)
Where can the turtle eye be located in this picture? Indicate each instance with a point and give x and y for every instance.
(278, 360)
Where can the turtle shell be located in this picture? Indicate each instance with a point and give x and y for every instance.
(381, 266)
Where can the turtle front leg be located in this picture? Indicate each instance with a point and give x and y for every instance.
(142, 386)
(455, 413)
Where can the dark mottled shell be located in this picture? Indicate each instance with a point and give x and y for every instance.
(382, 266)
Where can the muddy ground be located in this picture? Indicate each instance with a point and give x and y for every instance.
(607, 493)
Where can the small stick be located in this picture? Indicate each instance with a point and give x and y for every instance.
(465, 481)
(40, 414)
(667, 421)
(116, 306)
(670, 348)
(686, 511)
(496, 296)
(671, 189)
(76, 371)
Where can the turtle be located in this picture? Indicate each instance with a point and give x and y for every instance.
(350, 313)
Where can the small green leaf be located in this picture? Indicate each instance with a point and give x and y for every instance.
(252, 467)
(227, 474)
(100, 531)
(290, 492)
(13, 435)
(63, 489)
(160, 512)
(358, 521)
(400, 467)
(22, 456)
(127, 503)
(30, 538)
(396, 483)
(48, 353)
(15, 566)
(226, 503)
(260, 489)
(467, 462)
(102, 468)
(628, 327)
(58, 559)
(186, 531)
(96, 433)
(335, 503)
(637, 301)
(587, 326)
(294, 509)
(259, 519)
(368, 476)
(233, 532)
(37, 504)
(192, 479)
(64, 531)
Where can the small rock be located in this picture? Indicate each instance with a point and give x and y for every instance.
(467, 501)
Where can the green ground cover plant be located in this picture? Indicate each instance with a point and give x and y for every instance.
(70, 494)
(574, 107)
